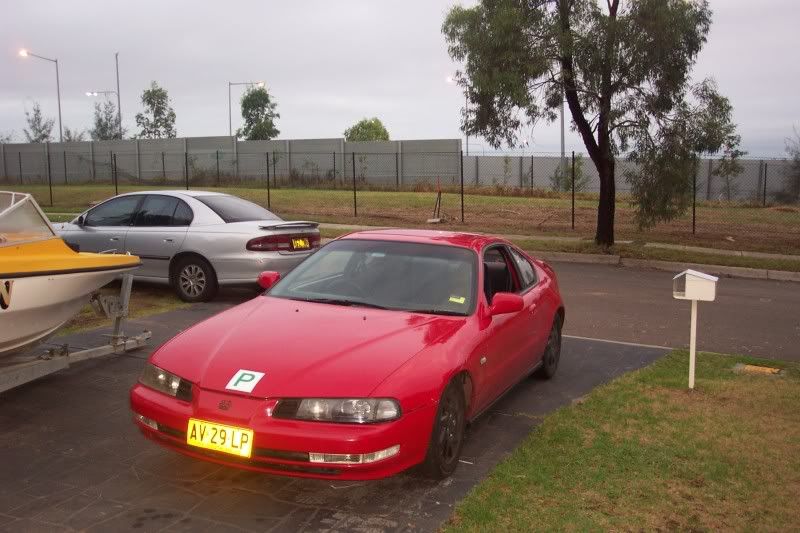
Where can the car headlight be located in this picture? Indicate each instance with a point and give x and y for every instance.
(166, 382)
(346, 410)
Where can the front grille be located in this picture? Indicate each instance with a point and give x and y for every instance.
(285, 455)
(258, 452)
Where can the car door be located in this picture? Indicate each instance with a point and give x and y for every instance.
(499, 350)
(105, 226)
(536, 314)
(158, 232)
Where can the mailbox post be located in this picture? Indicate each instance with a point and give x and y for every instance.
(697, 287)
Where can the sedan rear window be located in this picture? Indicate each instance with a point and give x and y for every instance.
(233, 209)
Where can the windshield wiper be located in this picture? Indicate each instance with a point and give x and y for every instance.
(437, 312)
(338, 301)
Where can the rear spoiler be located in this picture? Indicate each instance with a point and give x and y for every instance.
(301, 224)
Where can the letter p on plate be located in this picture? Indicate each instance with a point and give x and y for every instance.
(244, 380)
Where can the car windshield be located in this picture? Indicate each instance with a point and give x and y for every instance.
(233, 209)
(426, 278)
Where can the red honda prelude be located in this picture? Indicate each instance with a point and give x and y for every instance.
(368, 358)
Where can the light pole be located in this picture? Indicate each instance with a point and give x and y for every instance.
(230, 113)
(26, 53)
(119, 104)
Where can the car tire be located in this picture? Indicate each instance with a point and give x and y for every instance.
(194, 279)
(552, 351)
(447, 438)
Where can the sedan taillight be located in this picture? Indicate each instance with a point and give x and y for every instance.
(284, 243)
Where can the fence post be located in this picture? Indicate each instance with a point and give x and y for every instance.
(531, 174)
(3, 155)
(355, 204)
(138, 162)
(274, 168)
(462, 186)
(477, 170)
(19, 159)
(218, 167)
(186, 168)
(91, 155)
(269, 200)
(694, 200)
(64, 155)
(397, 177)
(573, 189)
(334, 170)
(765, 184)
(49, 172)
(708, 179)
(112, 163)
(163, 167)
(521, 159)
(114, 173)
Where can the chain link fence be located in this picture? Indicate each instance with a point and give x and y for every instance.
(757, 209)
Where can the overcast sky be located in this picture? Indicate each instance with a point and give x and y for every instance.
(329, 64)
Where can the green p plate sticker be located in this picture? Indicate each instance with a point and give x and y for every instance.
(458, 299)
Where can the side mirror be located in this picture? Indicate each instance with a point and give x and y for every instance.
(504, 303)
(81, 221)
(268, 279)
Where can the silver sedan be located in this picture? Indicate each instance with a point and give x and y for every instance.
(193, 240)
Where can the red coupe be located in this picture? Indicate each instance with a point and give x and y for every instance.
(368, 358)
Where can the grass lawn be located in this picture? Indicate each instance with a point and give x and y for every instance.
(643, 453)
(145, 300)
(770, 229)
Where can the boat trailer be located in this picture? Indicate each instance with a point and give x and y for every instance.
(28, 368)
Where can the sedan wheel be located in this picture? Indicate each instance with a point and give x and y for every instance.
(447, 438)
(194, 280)
(552, 352)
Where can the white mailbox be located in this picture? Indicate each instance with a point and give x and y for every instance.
(697, 287)
(694, 285)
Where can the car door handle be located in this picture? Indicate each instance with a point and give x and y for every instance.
(168, 240)
(114, 239)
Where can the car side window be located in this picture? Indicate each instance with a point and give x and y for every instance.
(156, 210)
(115, 212)
(526, 271)
(183, 214)
(498, 273)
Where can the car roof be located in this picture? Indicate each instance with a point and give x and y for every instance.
(475, 241)
(177, 192)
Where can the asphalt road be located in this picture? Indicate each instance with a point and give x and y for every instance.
(752, 317)
(71, 458)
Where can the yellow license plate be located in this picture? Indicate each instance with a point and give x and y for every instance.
(219, 437)
(300, 244)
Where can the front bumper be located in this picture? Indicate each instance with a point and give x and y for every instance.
(282, 446)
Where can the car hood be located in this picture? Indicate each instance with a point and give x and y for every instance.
(304, 349)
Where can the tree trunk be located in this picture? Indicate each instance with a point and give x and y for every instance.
(606, 207)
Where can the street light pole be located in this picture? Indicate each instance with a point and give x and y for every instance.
(119, 104)
(26, 53)
(230, 112)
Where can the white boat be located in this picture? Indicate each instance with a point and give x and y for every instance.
(43, 282)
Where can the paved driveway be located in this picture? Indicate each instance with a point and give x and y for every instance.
(70, 457)
(751, 317)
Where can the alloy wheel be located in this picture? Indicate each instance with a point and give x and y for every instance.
(192, 280)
